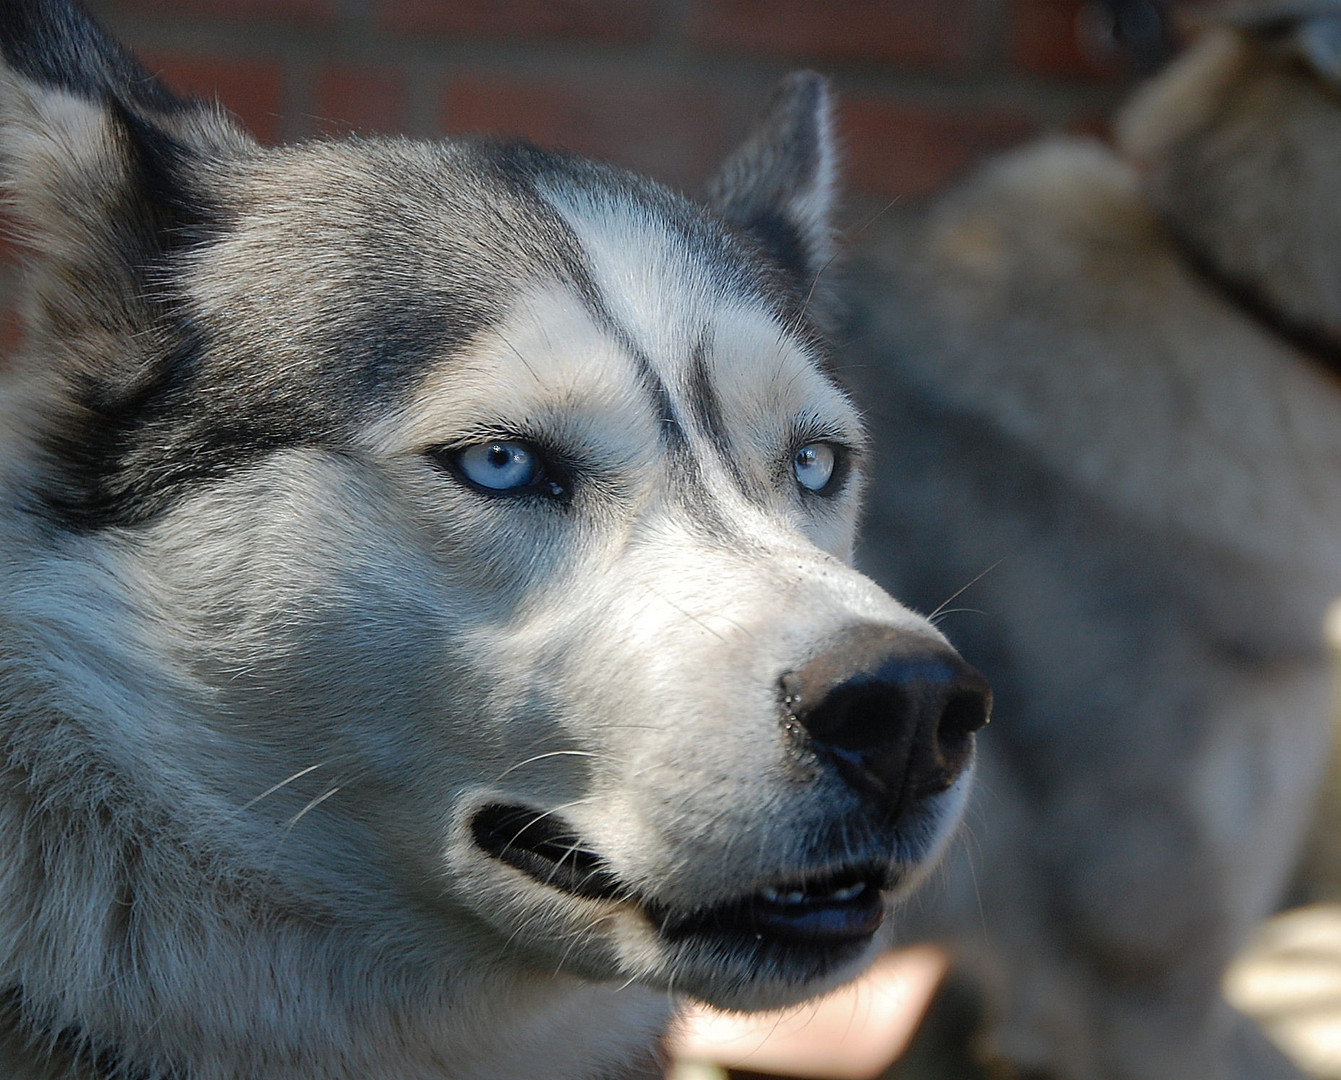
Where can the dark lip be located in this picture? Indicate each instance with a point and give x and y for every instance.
(821, 911)
(545, 848)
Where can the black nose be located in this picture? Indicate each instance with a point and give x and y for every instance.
(895, 711)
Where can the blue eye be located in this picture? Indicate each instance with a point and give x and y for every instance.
(504, 467)
(815, 465)
(501, 465)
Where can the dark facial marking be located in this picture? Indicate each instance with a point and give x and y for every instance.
(707, 410)
(524, 167)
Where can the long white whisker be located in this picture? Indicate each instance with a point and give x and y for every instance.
(541, 757)
(940, 614)
(963, 589)
(293, 821)
(283, 783)
(814, 282)
(695, 619)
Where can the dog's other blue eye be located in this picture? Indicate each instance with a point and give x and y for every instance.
(500, 466)
(814, 465)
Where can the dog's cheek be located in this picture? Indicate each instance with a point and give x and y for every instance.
(306, 597)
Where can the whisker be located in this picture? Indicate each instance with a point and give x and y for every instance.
(553, 810)
(541, 757)
(940, 614)
(293, 821)
(283, 783)
(963, 589)
(517, 353)
(695, 619)
(814, 282)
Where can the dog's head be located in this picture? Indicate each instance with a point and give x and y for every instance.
(453, 538)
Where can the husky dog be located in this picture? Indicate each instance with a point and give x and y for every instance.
(427, 639)
(1103, 387)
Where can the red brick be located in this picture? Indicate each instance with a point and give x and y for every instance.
(668, 129)
(294, 12)
(1046, 38)
(363, 99)
(896, 31)
(897, 149)
(251, 89)
(596, 20)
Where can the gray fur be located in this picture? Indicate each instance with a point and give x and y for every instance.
(1102, 403)
(322, 755)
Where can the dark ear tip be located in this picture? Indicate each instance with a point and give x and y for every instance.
(804, 83)
(802, 94)
(778, 185)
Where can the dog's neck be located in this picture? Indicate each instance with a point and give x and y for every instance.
(31, 1051)
(1307, 337)
(33, 1048)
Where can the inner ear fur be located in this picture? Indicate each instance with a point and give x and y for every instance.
(100, 163)
(779, 186)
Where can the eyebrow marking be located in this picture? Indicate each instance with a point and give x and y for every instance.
(706, 406)
(577, 270)
(663, 404)
(686, 471)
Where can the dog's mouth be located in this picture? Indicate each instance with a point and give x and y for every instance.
(822, 911)
(545, 848)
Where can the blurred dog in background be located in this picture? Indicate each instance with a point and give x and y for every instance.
(1104, 390)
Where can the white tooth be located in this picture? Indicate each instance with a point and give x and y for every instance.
(795, 897)
(849, 892)
(770, 894)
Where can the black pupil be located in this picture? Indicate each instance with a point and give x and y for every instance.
(499, 456)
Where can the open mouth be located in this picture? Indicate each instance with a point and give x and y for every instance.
(821, 911)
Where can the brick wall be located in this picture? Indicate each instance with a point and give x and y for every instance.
(662, 86)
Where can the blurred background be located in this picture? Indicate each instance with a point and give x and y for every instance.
(664, 87)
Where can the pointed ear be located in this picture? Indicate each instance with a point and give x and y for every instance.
(779, 186)
(98, 160)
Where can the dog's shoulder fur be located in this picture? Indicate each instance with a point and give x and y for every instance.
(1102, 383)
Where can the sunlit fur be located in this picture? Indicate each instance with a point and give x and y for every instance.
(263, 652)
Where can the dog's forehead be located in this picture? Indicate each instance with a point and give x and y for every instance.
(664, 327)
(371, 256)
(696, 306)
(352, 270)
(660, 281)
(342, 275)
(549, 367)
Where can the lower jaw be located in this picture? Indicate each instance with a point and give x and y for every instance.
(790, 935)
(738, 971)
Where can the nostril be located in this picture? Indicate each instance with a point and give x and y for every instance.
(855, 715)
(966, 711)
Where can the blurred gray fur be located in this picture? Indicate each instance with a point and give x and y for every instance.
(1104, 390)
